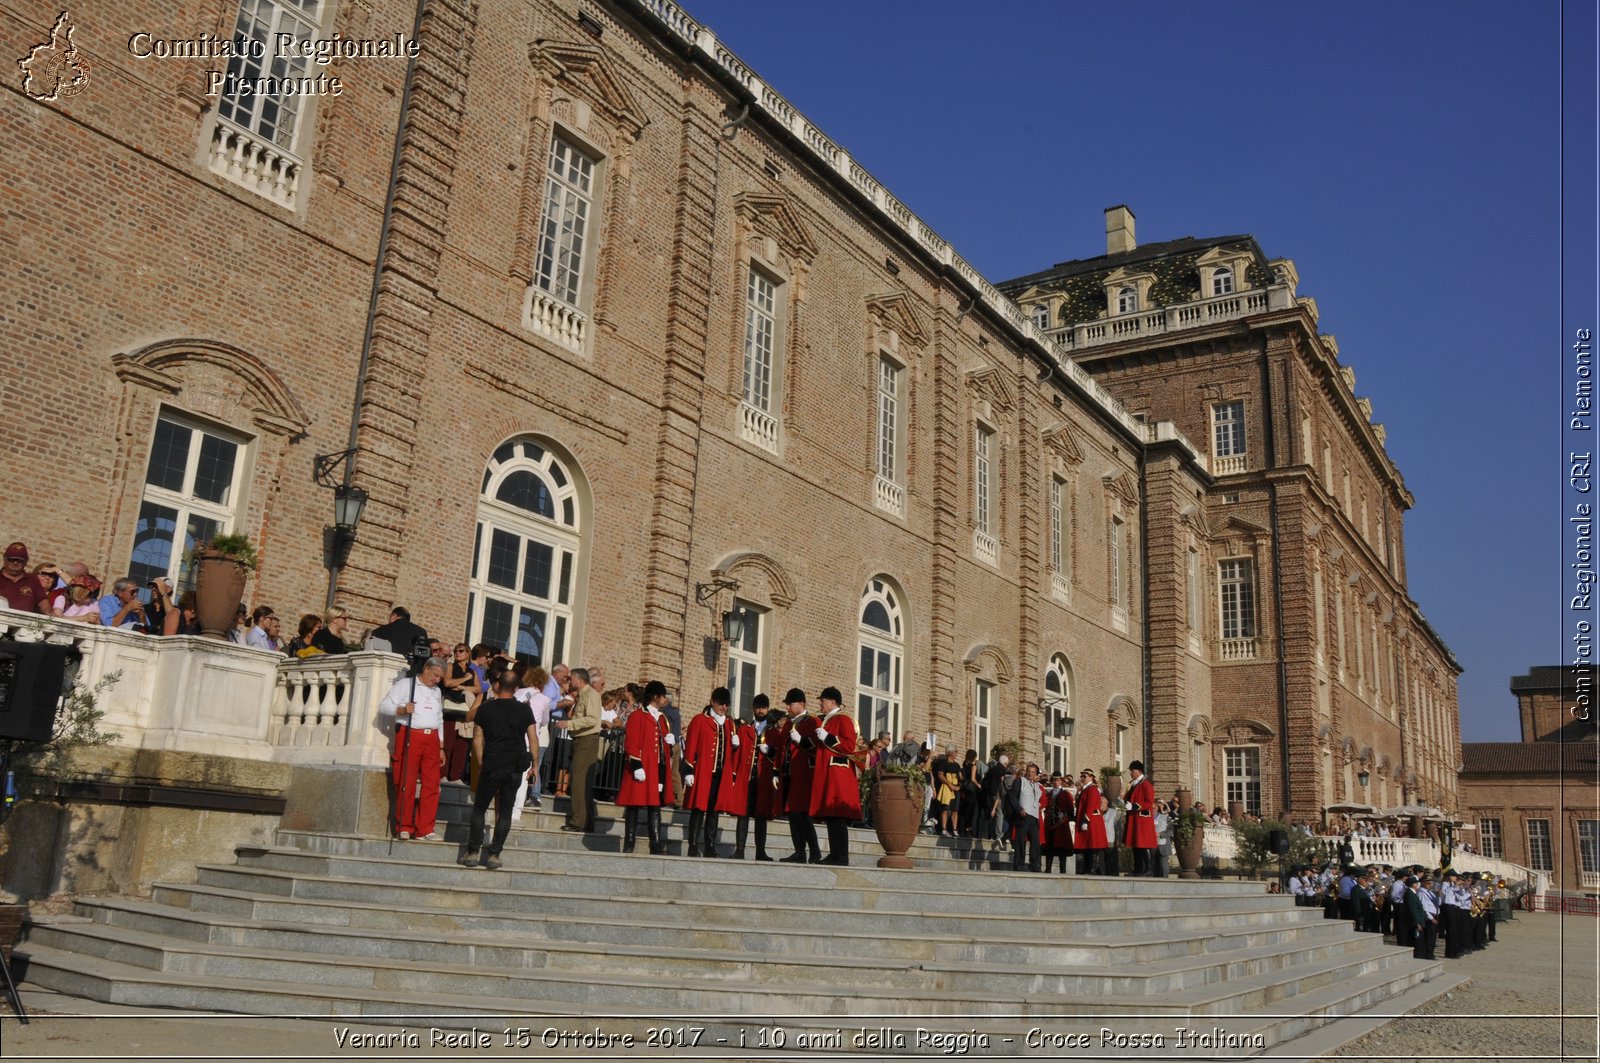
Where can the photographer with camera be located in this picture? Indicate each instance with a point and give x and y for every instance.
(415, 702)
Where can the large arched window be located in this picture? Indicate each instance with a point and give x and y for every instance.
(1058, 721)
(881, 678)
(525, 556)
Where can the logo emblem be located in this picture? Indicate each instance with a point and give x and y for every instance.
(55, 69)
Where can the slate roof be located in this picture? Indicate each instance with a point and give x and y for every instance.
(1579, 760)
(1545, 678)
(1139, 255)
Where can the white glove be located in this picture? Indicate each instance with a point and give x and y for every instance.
(794, 736)
(735, 741)
(670, 739)
(638, 775)
(764, 749)
(688, 780)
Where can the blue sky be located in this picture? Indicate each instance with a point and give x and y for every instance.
(1405, 156)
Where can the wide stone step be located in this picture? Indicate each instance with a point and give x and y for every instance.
(119, 928)
(697, 984)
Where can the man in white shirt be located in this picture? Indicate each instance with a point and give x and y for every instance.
(418, 752)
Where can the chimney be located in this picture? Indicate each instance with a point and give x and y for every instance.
(1119, 230)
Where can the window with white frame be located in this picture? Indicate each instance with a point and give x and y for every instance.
(1242, 776)
(1127, 300)
(982, 717)
(1060, 535)
(1041, 316)
(1191, 581)
(891, 377)
(1117, 578)
(1589, 846)
(276, 118)
(745, 669)
(1119, 746)
(523, 595)
(881, 651)
(1491, 838)
(1058, 721)
(1222, 280)
(564, 230)
(191, 493)
(983, 480)
(1227, 429)
(1539, 855)
(760, 338)
(1236, 595)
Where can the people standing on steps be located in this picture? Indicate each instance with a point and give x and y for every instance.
(836, 783)
(505, 746)
(583, 725)
(647, 782)
(797, 739)
(759, 770)
(710, 750)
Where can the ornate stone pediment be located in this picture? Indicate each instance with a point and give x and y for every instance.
(990, 385)
(775, 216)
(218, 380)
(896, 313)
(989, 654)
(1122, 486)
(1061, 439)
(582, 64)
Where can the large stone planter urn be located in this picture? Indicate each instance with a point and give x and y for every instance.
(1189, 853)
(1111, 785)
(896, 815)
(218, 590)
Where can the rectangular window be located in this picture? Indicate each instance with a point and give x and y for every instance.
(191, 493)
(1058, 527)
(1236, 593)
(1191, 579)
(564, 232)
(1243, 776)
(760, 338)
(983, 477)
(1539, 858)
(982, 717)
(1116, 563)
(1589, 845)
(1227, 428)
(744, 660)
(889, 377)
(273, 116)
(1491, 838)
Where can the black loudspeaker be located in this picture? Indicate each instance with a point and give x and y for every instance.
(1280, 842)
(30, 689)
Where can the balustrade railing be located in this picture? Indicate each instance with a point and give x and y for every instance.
(325, 708)
(257, 164)
(554, 319)
(1228, 464)
(1237, 649)
(889, 496)
(985, 547)
(758, 427)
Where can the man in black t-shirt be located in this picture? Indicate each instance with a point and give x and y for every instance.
(506, 744)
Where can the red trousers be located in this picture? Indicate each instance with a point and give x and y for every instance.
(415, 813)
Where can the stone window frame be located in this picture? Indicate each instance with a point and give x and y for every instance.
(1244, 779)
(887, 592)
(1248, 618)
(1549, 843)
(1058, 708)
(1222, 281)
(569, 323)
(187, 505)
(1237, 443)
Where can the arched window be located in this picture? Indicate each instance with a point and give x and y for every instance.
(1058, 720)
(1041, 316)
(1127, 301)
(526, 553)
(1222, 280)
(882, 641)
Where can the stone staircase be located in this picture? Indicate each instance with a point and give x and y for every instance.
(325, 925)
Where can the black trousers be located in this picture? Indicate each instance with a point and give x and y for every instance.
(1427, 939)
(1025, 844)
(803, 833)
(501, 788)
(1403, 930)
(1455, 929)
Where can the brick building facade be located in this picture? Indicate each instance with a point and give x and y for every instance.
(620, 342)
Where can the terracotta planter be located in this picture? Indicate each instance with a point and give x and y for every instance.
(11, 916)
(896, 815)
(1189, 853)
(1112, 786)
(1185, 800)
(218, 590)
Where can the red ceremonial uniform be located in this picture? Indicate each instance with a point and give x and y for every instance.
(1091, 821)
(799, 758)
(835, 787)
(644, 745)
(744, 760)
(1059, 811)
(769, 802)
(707, 747)
(1141, 829)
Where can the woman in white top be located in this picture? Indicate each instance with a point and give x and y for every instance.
(532, 694)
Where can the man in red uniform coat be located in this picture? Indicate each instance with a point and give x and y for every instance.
(1140, 832)
(1091, 837)
(799, 758)
(710, 744)
(647, 783)
(835, 787)
(755, 778)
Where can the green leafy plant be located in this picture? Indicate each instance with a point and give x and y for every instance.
(1011, 747)
(1109, 771)
(233, 546)
(916, 780)
(1185, 824)
(1255, 845)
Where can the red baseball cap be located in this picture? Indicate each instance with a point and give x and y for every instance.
(18, 551)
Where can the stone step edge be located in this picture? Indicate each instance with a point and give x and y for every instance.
(1164, 967)
(108, 973)
(1316, 928)
(1179, 893)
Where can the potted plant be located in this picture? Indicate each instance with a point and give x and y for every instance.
(1111, 782)
(895, 795)
(1188, 838)
(221, 567)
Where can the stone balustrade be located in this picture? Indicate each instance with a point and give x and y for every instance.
(325, 709)
(890, 496)
(560, 322)
(254, 163)
(986, 548)
(758, 427)
(1086, 334)
(1237, 649)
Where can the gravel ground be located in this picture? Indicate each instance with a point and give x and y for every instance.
(1533, 996)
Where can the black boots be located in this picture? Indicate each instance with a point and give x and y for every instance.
(761, 841)
(630, 828)
(653, 830)
(709, 847)
(697, 825)
(741, 831)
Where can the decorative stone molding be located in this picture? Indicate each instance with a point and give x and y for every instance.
(1124, 488)
(780, 585)
(1061, 441)
(897, 319)
(1124, 711)
(776, 217)
(987, 384)
(590, 72)
(1199, 728)
(987, 655)
(162, 366)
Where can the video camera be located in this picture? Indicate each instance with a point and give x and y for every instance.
(421, 650)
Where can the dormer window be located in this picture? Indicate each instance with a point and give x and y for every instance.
(1222, 281)
(1041, 316)
(1127, 301)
